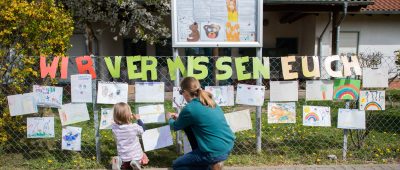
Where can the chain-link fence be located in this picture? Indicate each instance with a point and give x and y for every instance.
(280, 143)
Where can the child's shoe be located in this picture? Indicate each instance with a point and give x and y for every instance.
(116, 163)
(135, 165)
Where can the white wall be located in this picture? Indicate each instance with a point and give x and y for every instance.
(377, 33)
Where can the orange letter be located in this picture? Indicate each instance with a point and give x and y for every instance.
(45, 69)
(82, 68)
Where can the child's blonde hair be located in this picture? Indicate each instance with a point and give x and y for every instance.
(122, 113)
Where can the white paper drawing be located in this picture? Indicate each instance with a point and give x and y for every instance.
(107, 118)
(319, 90)
(112, 92)
(49, 96)
(177, 99)
(375, 77)
(281, 112)
(81, 88)
(212, 31)
(351, 119)
(152, 113)
(157, 138)
(149, 92)
(284, 91)
(250, 95)
(316, 116)
(222, 95)
(239, 121)
(40, 127)
(71, 138)
(22, 104)
(372, 100)
(186, 144)
(73, 113)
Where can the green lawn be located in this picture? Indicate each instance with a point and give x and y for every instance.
(281, 143)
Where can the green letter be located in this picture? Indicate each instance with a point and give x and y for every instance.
(240, 68)
(224, 67)
(194, 64)
(132, 68)
(152, 67)
(262, 68)
(114, 69)
(173, 65)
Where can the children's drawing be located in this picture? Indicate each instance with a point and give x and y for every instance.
(149, 92)
(372, 100)
(177, 99)
(222, 95)
(81, 88)
(157, 138)
(73, 113)
(239, 121)
(346, 89)
(375, 77)
(351, 119)
(186, 144)
(22, 104)
(316, 116)
(284, 91)
(319, 90)
(282, 112)
(112, 93)
(152, 113)
(40, 127)
(250, 95)
(232, 32)
(71, 138)
(212, 31)
(49, 96)
(107, 118)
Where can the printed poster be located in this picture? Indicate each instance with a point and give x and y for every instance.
(281, 112)
(152, 113)
(107, 118)
(112, 92)
(81, 88)
(250, 95)
(222, 95)
(49, 96)
(319, 90)
(351, 119)
(372, 100)
(71, 138)
(178, 101)
(22, 104)
(316, 116)
(346, 89)
(375, 77)
(284, 91)
(157, 138)
(149, 92)
(73, 113)
(40, 127)
(239, 121)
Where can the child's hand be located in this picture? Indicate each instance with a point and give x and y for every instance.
(144, 160)
(172, 115)
(136, 116)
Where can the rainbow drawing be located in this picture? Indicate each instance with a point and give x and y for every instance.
(373, 106)
(312, 117)
(346, 89)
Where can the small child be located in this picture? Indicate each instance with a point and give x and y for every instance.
(126, 133)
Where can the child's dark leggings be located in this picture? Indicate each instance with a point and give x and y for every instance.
(192, 139)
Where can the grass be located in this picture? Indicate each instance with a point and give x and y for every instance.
(286, 144)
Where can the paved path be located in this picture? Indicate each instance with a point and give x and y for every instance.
(317, 167)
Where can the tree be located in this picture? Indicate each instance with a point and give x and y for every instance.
(136, 19)
(27, 29)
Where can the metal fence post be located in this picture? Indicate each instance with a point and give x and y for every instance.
(176, 84)
(95, 113)
(258, 109)
(345, 131)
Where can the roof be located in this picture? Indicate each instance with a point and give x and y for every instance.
(383, 7)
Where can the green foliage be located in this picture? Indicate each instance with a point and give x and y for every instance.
(27, 28)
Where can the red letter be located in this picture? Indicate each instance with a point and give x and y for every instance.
(82, 68)
(64, 67)
(44, 69)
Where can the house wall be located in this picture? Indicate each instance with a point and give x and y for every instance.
(377, 33)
